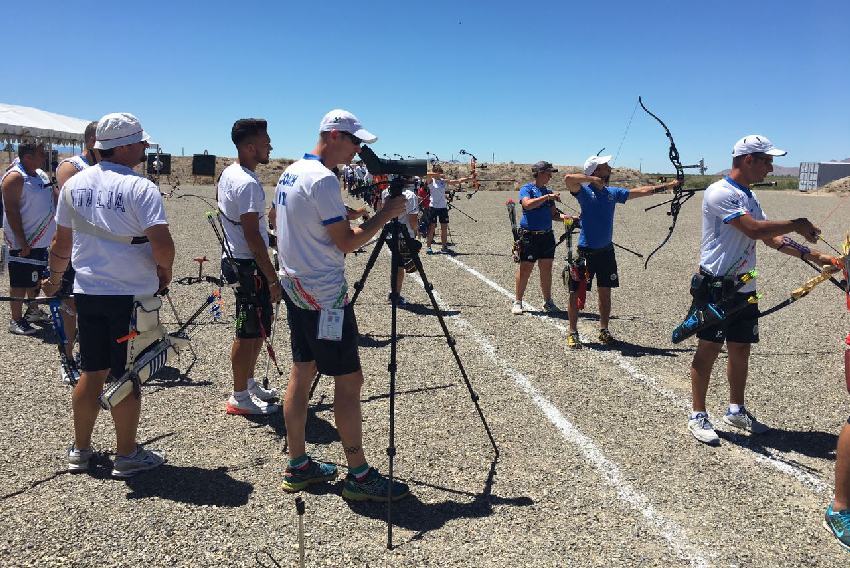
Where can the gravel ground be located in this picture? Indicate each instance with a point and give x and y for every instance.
(596, 467)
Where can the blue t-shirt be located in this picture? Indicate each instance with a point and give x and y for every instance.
(597, 214)
(539, 219)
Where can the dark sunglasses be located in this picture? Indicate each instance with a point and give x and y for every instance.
(354, 139)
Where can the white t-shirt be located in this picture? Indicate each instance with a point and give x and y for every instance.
(724, 249)
(312, 268)
(116, 199)
(240, 192)
(437, 187)
(37, 210)
(411, 208)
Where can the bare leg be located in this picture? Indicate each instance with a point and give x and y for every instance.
(572, 312)
(701, 366)
(17, 308)
(399, 280)
(604, 306)
(349, 421)
(736, 370)
(545, 266)
(243, 360)
(842, 471)
(443, 230)
(431, 228)
(86, 407)
(125, 415)
(523, 272)
(295, 406)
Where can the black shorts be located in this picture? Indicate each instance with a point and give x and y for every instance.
(333, 358)
(253, 300)
(537, 246)
(602, 264)
(741, 327)
(66, 288)
(26, 275)
(438, 213)
(101, 320)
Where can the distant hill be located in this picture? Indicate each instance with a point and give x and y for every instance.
(783, 171)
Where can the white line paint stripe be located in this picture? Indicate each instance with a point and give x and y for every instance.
(774, 460)
(671, 532)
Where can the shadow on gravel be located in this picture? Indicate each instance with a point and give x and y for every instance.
(635, 350)
(192, 485)
(412, 514)
(480, 254)
(170, 377)
(814, 444)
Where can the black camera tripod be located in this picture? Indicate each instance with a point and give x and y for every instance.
(391, 234)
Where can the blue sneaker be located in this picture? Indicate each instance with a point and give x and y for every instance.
(373, 488)
(838, 523)
(298, 479)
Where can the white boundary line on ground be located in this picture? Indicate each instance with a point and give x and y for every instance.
(774, 460)
(671, 532)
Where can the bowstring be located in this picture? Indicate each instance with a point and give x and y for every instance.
(625, 133)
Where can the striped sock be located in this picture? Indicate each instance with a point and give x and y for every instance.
(300, 462)
(359, 472)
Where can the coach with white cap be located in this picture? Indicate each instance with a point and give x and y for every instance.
(595, 244)
(313, 236)
(732, 223)
(122, 248)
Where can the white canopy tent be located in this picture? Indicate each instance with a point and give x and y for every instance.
(18, 123)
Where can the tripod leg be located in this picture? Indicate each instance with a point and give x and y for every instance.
(395, 264)
(450, 341)
(358, 286)
(314, 385)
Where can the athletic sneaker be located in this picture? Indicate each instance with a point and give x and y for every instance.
(445, 249)
(35, 314)
(516, 308)
(605, 337)
(298, 479)
(550, 308)
(401, 300)
(250, 406)
(702, 429)
(838, 523)
(258, 391)
(141, 460)
(574, 341)
(21, 327)
(373, 488)
(743, 420)
(429, 250)
(78, 460)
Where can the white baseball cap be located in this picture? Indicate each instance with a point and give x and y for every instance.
(118, 129)
(593, 161)
(756, 144)
(344, 121)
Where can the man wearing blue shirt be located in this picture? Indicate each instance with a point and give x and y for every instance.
(597, 201)
(538, 241)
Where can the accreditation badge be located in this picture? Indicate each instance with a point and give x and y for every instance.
(330, 324)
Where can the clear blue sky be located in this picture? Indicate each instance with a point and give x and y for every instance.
(522, 80)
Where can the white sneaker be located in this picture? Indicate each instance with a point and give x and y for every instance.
(141, 460)
(745, 421)
(257, 390)
(35, 314)
(250, 406)
(516, 308)
(703, 430)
